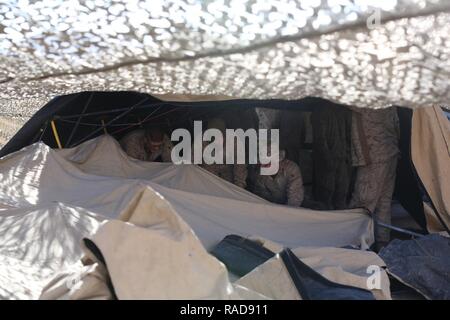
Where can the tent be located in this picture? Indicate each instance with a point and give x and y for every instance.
(83, 116)
(93, 181)
(51, 199)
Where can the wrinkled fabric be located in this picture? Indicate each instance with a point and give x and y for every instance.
(332, 155)
(360, 149)
(375, 182)
(382, 132)
(423, 264)
(98, 179)
(135, 145)
(345, 266)
(285, 187)
(430, 153)
(150, 252)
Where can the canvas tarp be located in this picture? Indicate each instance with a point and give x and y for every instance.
(148, 248)
(430, 153)
(422, 264)
(340, 265)
(141, 259)
(96, 181)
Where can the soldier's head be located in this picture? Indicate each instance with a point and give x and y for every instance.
(155, 138)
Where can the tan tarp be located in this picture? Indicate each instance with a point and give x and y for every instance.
(152, 256)
(38, 241)
(143, 259)
(151, 247)
(430, 153)
(343, 266)
(95, 181)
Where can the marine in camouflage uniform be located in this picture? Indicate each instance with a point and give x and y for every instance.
(234, 173)
(138, 145)
(376, 142)
(285, 187)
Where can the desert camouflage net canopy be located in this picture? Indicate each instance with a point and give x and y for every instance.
(335, 49)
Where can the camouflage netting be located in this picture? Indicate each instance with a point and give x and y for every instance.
(335, 49)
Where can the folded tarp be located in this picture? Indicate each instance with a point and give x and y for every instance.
(38, 175)
(313, 286)
(99, 180)
(359, 269)
(154, 255)
(241, 256)
(39, 241)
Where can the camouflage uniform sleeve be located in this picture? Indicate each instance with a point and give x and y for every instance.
(260, 188)
(133, 146)
(295, 190)
(240, 173)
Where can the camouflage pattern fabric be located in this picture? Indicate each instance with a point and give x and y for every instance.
(135, 145)
(374, 187)
(285, 187)
(375, 181)
(234, 173)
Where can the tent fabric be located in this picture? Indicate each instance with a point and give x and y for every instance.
(144, 255)
(423, 264)
(139, 256)
(49, 176)
(241, 255)
(430, 153)
(347, 267)
(312, 286)
(38, 241)
(79, 188)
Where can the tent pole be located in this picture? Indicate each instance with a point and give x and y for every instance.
(240, 103)
(79, 118)
(55, 134)
(398, 229)
(140, 122)
(109, 122)
(98, 113)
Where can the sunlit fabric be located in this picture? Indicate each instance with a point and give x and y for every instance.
(335, 49)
